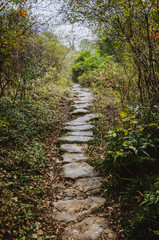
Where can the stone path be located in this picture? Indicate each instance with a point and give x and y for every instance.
(80, 210)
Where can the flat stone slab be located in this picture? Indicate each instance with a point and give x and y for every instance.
(75, 123)
(80, 91)
(88, 184)
(81, 120)
(80, 133)
(77, 170)
(86, 117)
(76, 139)
(80, 111)
(91, 228)
(86, 89)
(78, 106)
(86, 98)
(83, 101)
(72, 210)
(86, 94)
(79, 128)
(73, 157)
(77, 91)
(73, 148)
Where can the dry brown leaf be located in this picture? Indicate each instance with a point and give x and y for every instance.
(110, 208)
(39, 232)
(27, 223)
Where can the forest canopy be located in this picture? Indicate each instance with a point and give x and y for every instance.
(132, 27)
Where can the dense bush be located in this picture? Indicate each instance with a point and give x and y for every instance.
(132, 163)
(85, 63)
(99, 70)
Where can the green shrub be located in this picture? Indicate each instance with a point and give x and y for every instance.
(24, 122)
(132, 161)
(84, 63)
(144, 223)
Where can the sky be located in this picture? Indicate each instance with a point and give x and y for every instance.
(48, 11)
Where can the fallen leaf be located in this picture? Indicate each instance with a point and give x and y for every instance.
(27, 223)
(39, 232)
(16, 199)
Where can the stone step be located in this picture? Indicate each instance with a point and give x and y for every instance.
(76, 139)
(82, 101)
(85, 89)
(88, 184)
(77, 170)
(91, 228)
(75, 123)
(82, 120)
(80, 111)
(77, 91)
(86, 117)
(79, 128)
(73, 157)
(84, 105)
(86, 94)
(74, 209)
(80, 133)
(71, 148)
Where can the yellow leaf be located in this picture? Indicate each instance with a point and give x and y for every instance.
(23, 13)
(123, 114)
(141, 129)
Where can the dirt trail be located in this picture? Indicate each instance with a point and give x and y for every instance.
(79, 212)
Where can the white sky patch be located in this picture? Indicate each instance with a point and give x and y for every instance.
(48, 11)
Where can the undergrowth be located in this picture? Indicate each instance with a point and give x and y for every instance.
(131, 166)
(24, 125)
